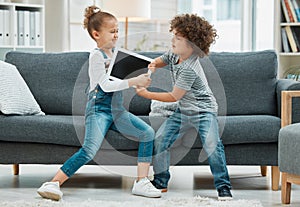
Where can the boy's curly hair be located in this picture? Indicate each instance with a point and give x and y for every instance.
(197, 30)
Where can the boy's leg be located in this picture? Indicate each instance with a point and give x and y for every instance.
(165, 137)
(214, 149)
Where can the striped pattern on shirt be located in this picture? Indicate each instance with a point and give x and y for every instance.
(189, 76)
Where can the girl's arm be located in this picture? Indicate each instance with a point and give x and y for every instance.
(173, 96)
(98, 75)
(117, 85)
(142, 80)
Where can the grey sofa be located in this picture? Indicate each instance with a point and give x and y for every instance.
(245, 85)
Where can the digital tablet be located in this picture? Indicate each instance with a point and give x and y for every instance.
(127, 64)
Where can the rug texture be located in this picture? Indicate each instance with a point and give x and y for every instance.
(174, 202)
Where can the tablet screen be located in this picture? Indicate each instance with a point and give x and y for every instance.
(127, 65)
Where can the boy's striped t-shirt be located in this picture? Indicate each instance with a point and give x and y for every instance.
(189, 76)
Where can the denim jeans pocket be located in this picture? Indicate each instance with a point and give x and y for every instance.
(99, 98)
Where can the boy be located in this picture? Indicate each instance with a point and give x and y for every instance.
(192, 38)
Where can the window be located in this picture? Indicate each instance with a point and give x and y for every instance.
(207, 2)
(228, 9)
(242, 25)
(225, 15)
(184, 6)
(263, 25)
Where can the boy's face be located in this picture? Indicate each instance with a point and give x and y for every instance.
(180, 45)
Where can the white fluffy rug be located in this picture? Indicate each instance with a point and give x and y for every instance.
(174, 202)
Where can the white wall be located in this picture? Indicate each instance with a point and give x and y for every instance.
(163, 10)
(56, 26)
(79, 38)
(64, 29)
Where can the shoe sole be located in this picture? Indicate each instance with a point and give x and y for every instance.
(158, 196)
(164, 190)
(225, 198)
(148, 196)
(50, 195)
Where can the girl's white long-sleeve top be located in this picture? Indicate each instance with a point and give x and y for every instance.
(98, 66)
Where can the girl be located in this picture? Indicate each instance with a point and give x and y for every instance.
(103, 114)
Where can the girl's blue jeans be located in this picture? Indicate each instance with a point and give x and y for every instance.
(105, 111)
(173, 128)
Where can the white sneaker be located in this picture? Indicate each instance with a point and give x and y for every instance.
(50, 190)
(145, 188)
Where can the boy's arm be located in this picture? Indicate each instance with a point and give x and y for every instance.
(173, 96)
(157, 63)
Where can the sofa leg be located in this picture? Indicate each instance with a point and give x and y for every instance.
(16, 169)
(285, 189)
(263, 170)
(275, 177)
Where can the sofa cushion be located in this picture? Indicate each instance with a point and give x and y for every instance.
(233, 130)
(53, 129)
(244, 130)
(15, 96)
(60, 130)
(165, 109)
(51, 78)
(56, 129)
(237, 130)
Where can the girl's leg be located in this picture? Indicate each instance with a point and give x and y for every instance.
(96, 127)
(60, 177)
(142, 170)
(132, 126)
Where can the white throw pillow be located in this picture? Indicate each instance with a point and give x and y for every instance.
(163, 109)
(15, 96)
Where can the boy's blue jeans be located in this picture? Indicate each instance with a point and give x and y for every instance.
(173, 128)
(105, 111)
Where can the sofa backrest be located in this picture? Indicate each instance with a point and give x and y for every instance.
(59, 81)
(51, 77)
(249, 80)
(244, 83)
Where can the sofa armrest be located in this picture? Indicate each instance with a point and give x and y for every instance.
(286, 106)
(289, 85)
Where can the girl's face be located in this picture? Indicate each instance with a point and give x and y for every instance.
(180, 45)
(108, 34)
